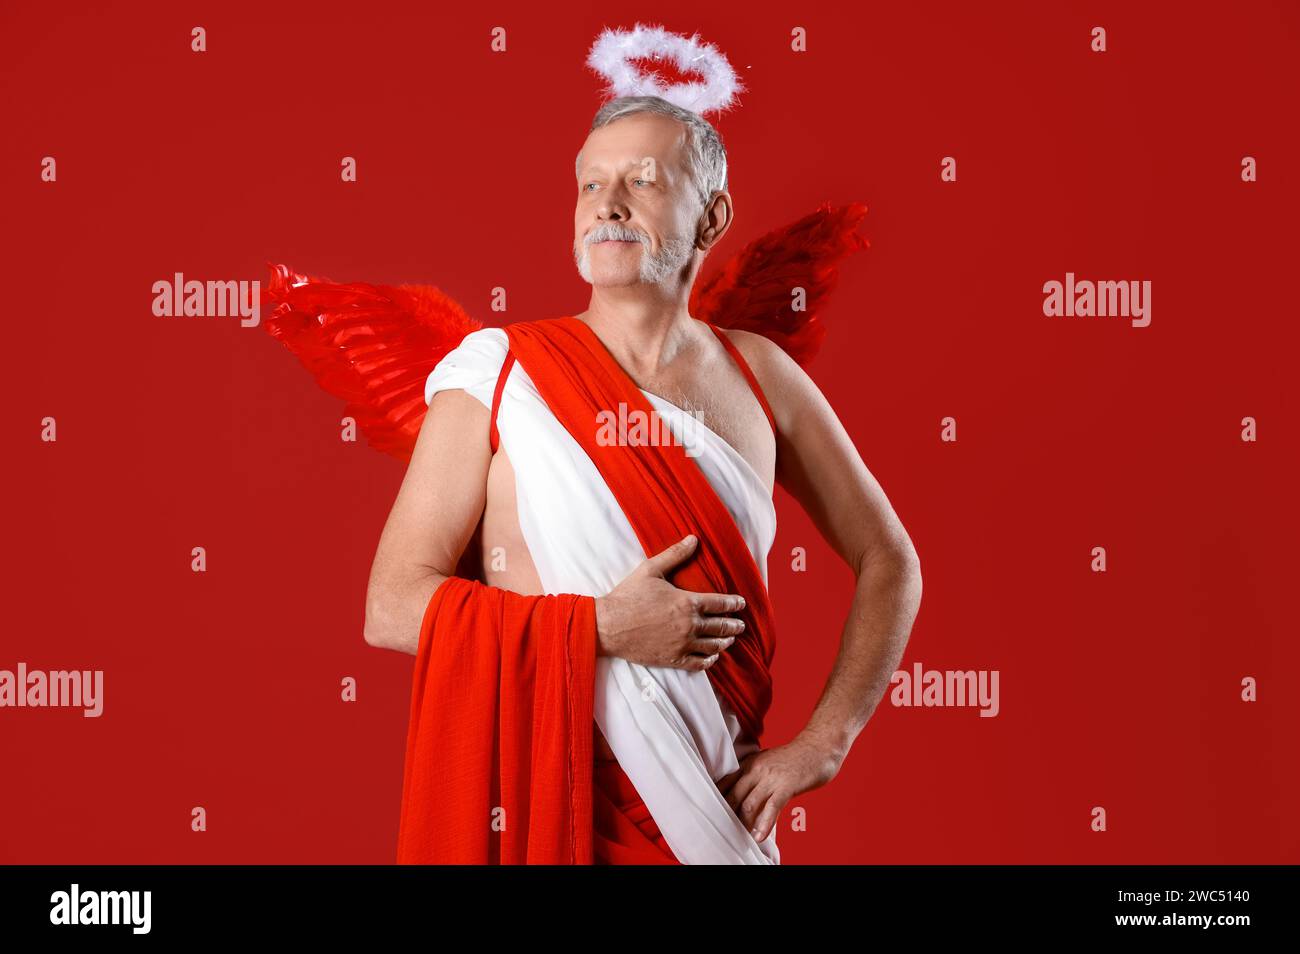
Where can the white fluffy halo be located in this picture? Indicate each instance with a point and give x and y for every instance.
(613, 51)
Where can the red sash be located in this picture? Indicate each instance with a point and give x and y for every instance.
(499, 765)
(663, 493)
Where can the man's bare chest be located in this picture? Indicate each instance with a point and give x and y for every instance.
(721, 400)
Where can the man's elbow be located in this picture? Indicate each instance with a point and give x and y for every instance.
(897, 568)
(377, 630)
(912, 568)
(909, 559)
(372, 632)
(898, 556)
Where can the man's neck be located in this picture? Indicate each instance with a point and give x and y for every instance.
(643, 328)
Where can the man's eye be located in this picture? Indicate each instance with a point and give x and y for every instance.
(641, 180)
(588, 186)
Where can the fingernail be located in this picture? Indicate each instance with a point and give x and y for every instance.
(690, 538)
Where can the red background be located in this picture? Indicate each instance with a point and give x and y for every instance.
(222, 689)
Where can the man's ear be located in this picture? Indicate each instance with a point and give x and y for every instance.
(714, 221)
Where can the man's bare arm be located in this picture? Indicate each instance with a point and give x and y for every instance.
(437, 508)
(820, 467)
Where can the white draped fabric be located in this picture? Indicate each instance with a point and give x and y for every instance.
(670, 731)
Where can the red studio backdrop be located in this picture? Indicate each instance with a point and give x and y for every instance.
(1121, 690)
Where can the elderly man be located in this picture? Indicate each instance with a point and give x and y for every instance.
(593, 613)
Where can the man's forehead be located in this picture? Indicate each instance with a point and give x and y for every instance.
(635, 141)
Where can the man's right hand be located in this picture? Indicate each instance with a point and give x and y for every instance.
(645, 619)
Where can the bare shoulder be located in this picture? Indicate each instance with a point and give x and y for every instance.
(764, 355)
(786, 386)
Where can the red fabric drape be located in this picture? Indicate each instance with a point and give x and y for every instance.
(625, 832)
(499, 746)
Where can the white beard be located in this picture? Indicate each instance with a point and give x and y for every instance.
(672, 257)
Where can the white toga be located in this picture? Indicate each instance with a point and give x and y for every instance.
(670, 731)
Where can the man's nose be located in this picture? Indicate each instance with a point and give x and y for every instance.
(612, 207)
(612, 211)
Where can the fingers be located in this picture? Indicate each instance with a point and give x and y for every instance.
(761, 828)
(718, 602)
(720, 626)
(711, 647)
(755, 803)
(665, 560)
(740, 790)
(693, 663)
(724, 784)
(705, 652)
(716, 634)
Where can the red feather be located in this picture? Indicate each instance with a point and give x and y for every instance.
(375, 345)
(753, 290)
(372, 345)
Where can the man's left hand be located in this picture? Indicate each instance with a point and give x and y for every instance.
(769, 778)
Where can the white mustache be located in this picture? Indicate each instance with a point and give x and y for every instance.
(614, 231)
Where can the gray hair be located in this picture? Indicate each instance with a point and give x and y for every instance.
(706, 157)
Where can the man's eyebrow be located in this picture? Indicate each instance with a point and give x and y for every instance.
(589, 166)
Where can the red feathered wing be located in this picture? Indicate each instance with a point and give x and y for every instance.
(372, 345)
(754, 290)
(375, 345)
